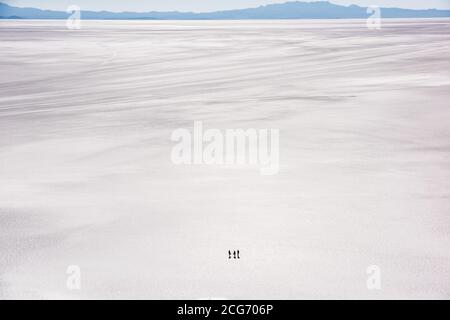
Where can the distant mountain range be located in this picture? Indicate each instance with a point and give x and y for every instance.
(288, 10)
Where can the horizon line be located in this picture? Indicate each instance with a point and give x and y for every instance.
(214, 11)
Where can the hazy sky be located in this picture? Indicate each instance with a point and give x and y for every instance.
(206, 5)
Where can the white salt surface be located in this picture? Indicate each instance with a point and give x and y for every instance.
(86, 177)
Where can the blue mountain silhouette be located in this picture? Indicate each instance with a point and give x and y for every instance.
(288, 10)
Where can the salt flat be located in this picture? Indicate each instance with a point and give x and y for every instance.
(86, 176)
